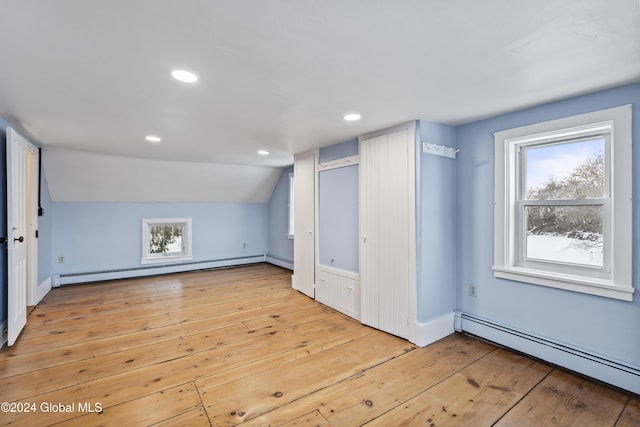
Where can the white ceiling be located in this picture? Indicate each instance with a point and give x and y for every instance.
(280, 74)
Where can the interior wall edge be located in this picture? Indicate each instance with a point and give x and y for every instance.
(280, 262)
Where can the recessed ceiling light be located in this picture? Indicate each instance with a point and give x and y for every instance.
(263, 152)
(352, 117)
(153, 138)
(184, 76)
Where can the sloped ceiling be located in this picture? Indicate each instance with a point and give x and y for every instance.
(80, 176)
(90, 79)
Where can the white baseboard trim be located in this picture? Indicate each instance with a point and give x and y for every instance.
(284, 263)
(617, 373)
(69, 279)
(5, 337)
(434, 330)
(43, 289)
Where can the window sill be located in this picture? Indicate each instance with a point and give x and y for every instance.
(592, 286)
(166, 259)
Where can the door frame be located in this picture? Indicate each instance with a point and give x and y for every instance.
(33, 166)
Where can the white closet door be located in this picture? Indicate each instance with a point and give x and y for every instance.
(17, 154)
(387, 245)
(304, 181)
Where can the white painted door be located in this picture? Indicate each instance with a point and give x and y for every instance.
(304, 212)
(17, 151)
(387, 241)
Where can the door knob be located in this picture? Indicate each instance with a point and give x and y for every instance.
(3, 240)
(19, 239)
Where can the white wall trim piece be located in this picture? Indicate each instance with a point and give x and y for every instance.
(339, 163)
(439, 150)
(434, 330)
(615, 372)
(69, 279)
(43, 289)
(344, 273)
(284, 263)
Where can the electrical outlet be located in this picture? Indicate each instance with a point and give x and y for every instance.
(473, 290)
(60, 260)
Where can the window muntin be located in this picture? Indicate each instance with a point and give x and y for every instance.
(601, 210)
(563, 203)
(166, 240)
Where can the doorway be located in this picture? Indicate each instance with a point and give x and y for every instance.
(22, 225)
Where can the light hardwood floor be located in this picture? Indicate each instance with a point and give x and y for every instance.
(239, 345)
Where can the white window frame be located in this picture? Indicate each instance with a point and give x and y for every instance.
(185, 255)
(615, 279)
(291, 207)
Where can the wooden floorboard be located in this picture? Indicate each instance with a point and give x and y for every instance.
(239, 346)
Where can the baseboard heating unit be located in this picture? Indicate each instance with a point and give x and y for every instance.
(68, 279)
(614, 372)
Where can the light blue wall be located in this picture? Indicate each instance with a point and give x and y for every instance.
(280, 246)
(596, 324)
(338, 209)
(4, 282)
(436, 216)
(338, 218)
(95, 237)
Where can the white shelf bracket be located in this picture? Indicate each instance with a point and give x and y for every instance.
(439, 150)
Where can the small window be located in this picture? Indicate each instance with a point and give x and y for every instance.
(291, 211)
(166, 240)
(563, 204)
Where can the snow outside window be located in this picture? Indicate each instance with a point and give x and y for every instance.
(563, 204)
(166, 240)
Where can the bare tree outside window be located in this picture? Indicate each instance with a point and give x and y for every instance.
(165, 239)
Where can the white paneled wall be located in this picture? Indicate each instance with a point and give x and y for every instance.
(387, 231)
(339, 289)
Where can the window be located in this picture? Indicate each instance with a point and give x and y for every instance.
(166, 240)
(290, 232)
(563, 204)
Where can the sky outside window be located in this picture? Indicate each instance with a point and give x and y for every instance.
(558, 161)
